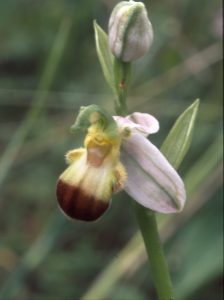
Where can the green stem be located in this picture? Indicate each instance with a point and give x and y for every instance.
(122, 76)
(146, 218)
(148, 226)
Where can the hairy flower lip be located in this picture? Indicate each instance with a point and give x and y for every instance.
(76, 204)
(97, 154)
(84, 190)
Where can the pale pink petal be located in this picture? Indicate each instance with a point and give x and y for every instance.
(124, 122)
(147, 122)
(152, 181)
(141, 123)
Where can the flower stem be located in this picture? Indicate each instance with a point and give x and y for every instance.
(148, 226)
(146, 218)
(122, 77)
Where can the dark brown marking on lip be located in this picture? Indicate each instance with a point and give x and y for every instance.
(77, 205)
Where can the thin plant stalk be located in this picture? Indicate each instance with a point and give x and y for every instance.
(159, 269)
(147, 221)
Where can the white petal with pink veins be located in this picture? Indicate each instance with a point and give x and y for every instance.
(152, 181)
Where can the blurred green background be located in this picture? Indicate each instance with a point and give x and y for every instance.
(48, 68)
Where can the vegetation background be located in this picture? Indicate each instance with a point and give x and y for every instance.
(48, 69)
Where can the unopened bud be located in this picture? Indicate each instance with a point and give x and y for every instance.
(130, 31)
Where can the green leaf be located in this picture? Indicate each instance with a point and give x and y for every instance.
(104, 54)
(179, 138)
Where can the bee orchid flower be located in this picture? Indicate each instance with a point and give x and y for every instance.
(117, 155)
(95, 172)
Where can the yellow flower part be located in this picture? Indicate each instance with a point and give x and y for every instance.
(85, 188)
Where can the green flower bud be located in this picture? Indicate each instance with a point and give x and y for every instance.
(130, 31)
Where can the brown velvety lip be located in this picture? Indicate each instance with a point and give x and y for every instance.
(77, 204)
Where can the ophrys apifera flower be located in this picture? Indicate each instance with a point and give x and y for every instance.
(117, 155)
(95, 172)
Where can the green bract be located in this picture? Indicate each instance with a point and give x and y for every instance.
(104, 54)
(178, 141)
